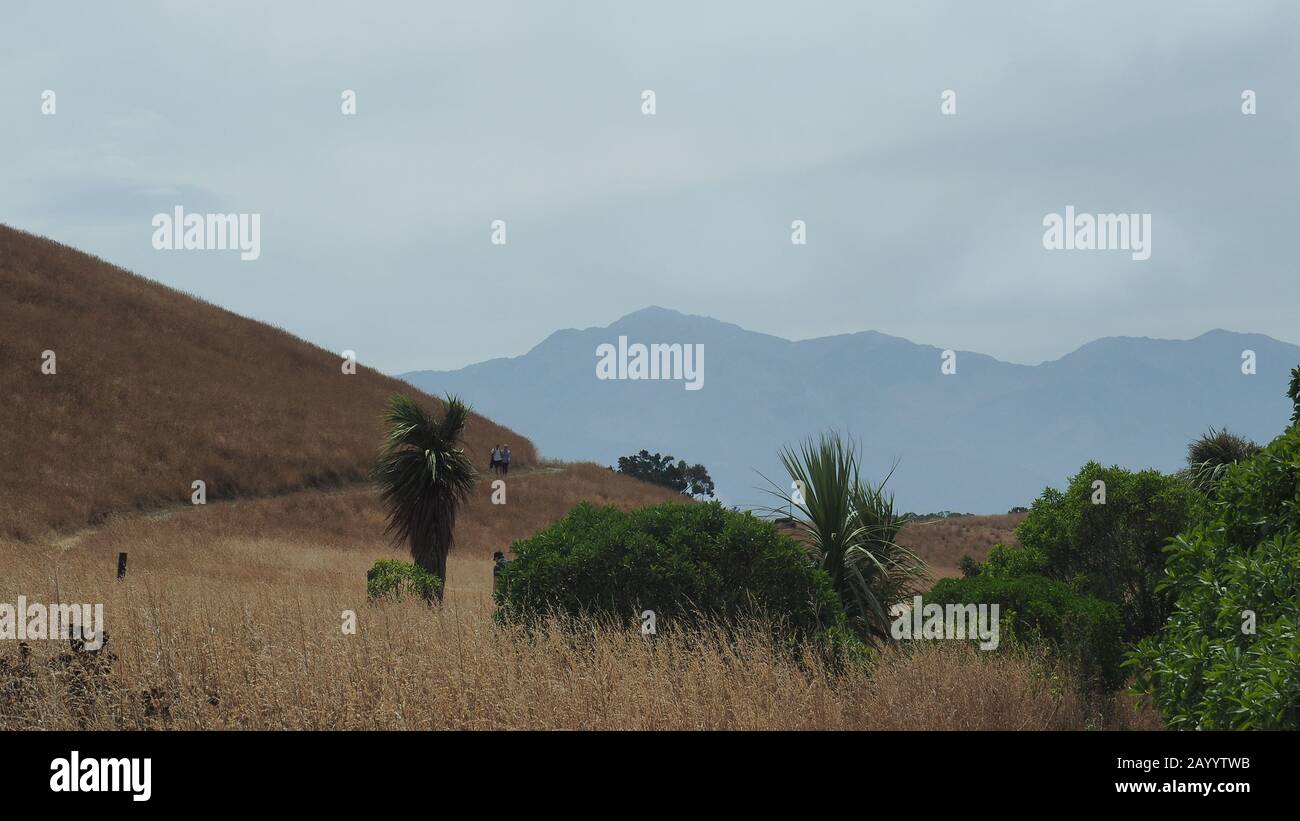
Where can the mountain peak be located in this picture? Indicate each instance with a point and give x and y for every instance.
(652, 312)
(1224, 333)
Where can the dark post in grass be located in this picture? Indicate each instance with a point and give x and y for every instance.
(121, 565)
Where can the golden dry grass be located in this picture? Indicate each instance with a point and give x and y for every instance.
(231, 617)
(155, 389)
(216, 658)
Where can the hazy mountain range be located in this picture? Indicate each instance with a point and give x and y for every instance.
(983, 439)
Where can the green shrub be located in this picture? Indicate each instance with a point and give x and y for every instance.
(684, 562)
(1204, 669)
(1083, 631)
(1113, 551)
(392, 579)
(1005, 562)
(969, 566)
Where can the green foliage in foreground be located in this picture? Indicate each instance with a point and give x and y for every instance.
(1112, 550)
(1085, 578)
(684, 562)
(391, 579)
(1034, 611)
(1293, 391)
(1206, 669)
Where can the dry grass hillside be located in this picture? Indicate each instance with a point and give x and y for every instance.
(942, 542)
(155, 389)
(319, 539)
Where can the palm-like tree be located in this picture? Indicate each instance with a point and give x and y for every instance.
(1210, 456)
(850, 527)
(423, 478)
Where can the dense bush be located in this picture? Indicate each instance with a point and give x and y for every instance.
(1081, 630)
(681, 561)
(1206, 669)
(392, 579)
(1113, 551)
(1006, 562)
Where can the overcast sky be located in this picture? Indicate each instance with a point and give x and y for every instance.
(376, 227)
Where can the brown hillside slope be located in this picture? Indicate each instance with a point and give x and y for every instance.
(155, 389)
(319, 540)
(942, 542)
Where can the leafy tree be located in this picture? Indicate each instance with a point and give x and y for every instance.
(1294, 393)
(1111, 550)
(688, 480)
(424, 476)
(850, 527)
(1229, 655)
(684, 562)
(697, 479)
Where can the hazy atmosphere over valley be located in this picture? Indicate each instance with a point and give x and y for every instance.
(987, 438)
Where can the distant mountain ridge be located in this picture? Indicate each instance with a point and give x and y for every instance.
(984, 439)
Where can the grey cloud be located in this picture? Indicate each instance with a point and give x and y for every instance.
(921, 226)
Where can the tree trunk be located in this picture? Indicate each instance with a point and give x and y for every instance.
(441, 573)
(431, 557)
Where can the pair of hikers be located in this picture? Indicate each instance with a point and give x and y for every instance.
(501, 460)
